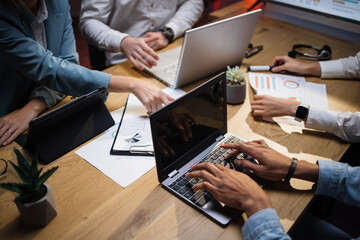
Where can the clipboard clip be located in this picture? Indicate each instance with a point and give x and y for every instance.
(148, 149)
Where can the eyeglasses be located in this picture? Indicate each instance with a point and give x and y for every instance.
(3, 166)
(253, 50)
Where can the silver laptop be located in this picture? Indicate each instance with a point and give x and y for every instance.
(203, 117)
(206, 50)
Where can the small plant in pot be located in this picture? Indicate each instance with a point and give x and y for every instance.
(235, 85)
(35, 200)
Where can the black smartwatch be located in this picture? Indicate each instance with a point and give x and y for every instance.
(301, 112)
(168, 33)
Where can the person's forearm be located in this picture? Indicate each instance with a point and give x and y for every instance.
(264, 225)
(101, 35)
(341, 68)
(255, 205)
(94, 25)
(307, 171)
(292, 107)
(186, 16)
(34, 107)
(150, 96)
(312, 69)
(122, 84)
(12, 125)
(344, 125)
(339, 181)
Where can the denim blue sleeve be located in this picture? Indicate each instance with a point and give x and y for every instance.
(337, 180)
(340, 181)
(264, 225)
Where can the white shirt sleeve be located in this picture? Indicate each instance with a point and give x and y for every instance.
(344, 125)
(341, 68)
(186, 16)
(94, 16)
(101, 20)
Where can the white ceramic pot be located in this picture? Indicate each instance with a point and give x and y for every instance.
(235, 93)
(39, 213)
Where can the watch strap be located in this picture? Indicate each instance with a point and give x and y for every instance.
(291, 170)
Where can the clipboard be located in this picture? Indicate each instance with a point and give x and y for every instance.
(129, 141)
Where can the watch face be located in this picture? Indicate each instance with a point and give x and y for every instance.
(301, 112)
(168, 33)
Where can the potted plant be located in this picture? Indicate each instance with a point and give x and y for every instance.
(235, 85)
(34, 200)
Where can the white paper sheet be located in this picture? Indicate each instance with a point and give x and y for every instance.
(317, 93)
(291, 87)
(124, 170)
(135, 127)
(280, 85)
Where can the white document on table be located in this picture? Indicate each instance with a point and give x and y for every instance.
(290, 87)
(134, 134)
(124, 170)
(134, 129)
(280, 85)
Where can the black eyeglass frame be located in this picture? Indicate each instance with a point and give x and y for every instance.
(253, 50)
(6, 166)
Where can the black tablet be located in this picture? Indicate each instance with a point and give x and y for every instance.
(59, 131)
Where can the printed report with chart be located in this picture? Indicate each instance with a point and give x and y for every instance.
(290, 87)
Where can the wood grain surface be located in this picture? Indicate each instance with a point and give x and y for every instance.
(92, 206)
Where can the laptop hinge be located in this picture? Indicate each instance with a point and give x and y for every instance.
(219, 138)
(173, 173)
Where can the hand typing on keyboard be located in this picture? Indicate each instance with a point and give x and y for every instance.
(237, 189)
(270, 164)
(230, 187)
(235, 157)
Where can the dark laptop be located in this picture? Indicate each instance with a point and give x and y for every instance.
(203, 112)
(55, 133)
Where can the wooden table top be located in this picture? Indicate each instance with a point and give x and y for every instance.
(90, 205)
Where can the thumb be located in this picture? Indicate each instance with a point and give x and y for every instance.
(150, 38)
(246, 164)
(278, 68)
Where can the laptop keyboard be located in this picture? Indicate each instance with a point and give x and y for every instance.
(184, 185)
(171, 70)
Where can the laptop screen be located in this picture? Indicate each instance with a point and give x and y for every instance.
(184, 128)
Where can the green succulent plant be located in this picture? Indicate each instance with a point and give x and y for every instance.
(235, 76)
(30, 177)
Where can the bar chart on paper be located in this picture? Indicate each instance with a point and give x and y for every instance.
(291, 87)
(280, 85)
